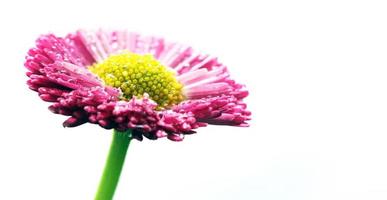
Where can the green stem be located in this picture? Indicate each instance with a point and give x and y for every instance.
(115, 161)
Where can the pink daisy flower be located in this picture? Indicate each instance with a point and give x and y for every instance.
(126, 81)
(137, 85)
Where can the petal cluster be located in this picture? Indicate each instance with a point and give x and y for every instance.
(58, 70)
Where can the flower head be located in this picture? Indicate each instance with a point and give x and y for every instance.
(124, 80)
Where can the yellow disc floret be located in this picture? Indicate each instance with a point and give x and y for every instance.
(137, 74)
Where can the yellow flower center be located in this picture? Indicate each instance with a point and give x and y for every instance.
(137, 74)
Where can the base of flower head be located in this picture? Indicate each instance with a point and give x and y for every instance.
(139, 115)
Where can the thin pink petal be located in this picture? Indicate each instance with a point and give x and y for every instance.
(216, 110)
(207, 90)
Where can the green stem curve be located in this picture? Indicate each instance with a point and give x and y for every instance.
(114, 163)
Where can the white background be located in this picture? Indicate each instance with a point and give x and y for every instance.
(317, 75)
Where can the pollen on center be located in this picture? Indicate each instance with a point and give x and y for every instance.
(136, 74)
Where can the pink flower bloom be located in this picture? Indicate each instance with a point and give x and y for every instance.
(87, 76)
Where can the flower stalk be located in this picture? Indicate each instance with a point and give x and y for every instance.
(114, 163)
